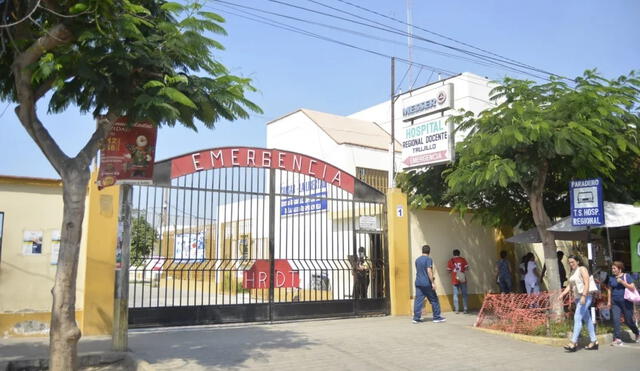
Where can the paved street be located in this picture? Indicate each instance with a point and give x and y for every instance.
(376, 343)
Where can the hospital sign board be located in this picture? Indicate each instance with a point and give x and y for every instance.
(587, 204)
(427, 143)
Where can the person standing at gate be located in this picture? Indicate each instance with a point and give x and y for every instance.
(458, 267)
(504, 273)
(425, 288)
(360, 269)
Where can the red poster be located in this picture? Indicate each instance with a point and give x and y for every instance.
(128, 154)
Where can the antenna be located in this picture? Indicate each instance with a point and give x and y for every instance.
(410, 42)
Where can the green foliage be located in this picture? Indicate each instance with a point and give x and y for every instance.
(563, 328)
(539, 134)
(147, 59)
(143, 237)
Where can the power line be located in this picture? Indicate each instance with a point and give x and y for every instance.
(446, 37)
(362, 34)
(4, 110)
(317, 36)
(385, 28)
(487, 63)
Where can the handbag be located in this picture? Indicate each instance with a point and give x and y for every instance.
(631, 295)
(461, 277)
(593, 288)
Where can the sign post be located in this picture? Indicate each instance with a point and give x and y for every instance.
(119, 339)
(587, 209)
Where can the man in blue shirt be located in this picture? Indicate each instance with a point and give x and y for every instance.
(424, 287)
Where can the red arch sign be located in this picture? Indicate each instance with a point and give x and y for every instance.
(226, 157)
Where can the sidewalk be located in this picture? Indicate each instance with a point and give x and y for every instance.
(375, 343)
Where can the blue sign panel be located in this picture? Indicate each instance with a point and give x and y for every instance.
(300, 197)
(296, 205)
(587, 203)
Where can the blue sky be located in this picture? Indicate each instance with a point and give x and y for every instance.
(295, 71)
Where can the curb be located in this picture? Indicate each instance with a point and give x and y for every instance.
(84, 360)
(555, 342)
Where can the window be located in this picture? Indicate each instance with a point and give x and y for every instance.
(1, 231)
(378, 179)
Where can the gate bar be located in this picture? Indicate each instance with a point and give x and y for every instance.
(272, 231)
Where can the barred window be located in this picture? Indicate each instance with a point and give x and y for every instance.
(378, 179)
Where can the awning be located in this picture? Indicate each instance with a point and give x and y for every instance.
(615, 215)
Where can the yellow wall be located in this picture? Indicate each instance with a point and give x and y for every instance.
(26, 280)
(444, 232)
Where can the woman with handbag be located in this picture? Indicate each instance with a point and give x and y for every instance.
(583, 287)
(618, 283)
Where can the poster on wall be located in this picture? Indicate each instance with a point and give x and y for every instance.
(189, 247)
(32, 243)
(128, 154)
(55, 246)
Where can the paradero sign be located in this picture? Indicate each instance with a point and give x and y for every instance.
(227, 157)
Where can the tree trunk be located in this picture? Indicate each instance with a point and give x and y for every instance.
(65, 333)
(542, 221)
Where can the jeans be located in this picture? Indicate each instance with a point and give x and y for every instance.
(462, 287)
(583, 313)
(418, 301)
(625, 308)
(505, 284)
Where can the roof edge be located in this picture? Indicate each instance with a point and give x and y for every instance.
(11, 179)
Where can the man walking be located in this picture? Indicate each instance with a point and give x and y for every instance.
(425, 287)
(458, 267)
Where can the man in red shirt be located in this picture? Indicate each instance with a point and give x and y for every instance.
(458, 267)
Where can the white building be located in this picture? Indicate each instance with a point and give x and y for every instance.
(360, 142)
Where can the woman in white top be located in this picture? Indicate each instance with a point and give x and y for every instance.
(531, 276)
(579, 283)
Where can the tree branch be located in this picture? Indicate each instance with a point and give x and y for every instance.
(26, 110)
(104, 125)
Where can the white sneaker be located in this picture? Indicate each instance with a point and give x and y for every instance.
(617, 343)
(439, 319)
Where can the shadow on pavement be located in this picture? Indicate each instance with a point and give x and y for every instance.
(213, 347)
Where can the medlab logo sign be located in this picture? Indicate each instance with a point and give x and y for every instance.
(430, 101)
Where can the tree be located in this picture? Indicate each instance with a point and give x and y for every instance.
(146, 59)
(539, 137)
(143, 236)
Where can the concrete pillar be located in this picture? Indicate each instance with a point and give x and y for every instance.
(102, 230)
(400, 280)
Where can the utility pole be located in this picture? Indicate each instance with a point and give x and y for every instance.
(392, 172)
(119, 338)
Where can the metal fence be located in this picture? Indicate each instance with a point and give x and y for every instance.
(205, 248)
